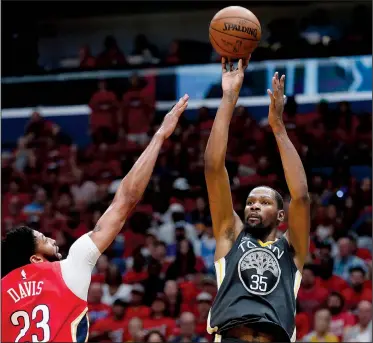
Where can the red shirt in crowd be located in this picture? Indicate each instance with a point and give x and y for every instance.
(104, 108)
(109, 328)
(334, 284)
(165, 325)
(142, 312)
(302, 323)
(311, 299)
(98, 311)
(353, 298)
(131, 277)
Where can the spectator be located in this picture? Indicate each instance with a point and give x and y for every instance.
(166, 231)
(204, 303)
(362, 331)
(154, 336)
(345, 260)
(144, 52)
(137, 110)
(324, 264)
(187, 330)
(154, 284)
(201, 213)
(86, 60)
(160, 254)
(174, 297)
(37, 126)
(111, 56)
(83, 190)
(138, 272)
(185, 262)
(104, 111)
(358, 290)
(21, 154)
(321, 332)
(311, 296)
(302, 323)
(205, 248)
(158, 319)
(96, 309)
(341, 319)
(101, 269)
(112, 327)
(173, 56)
(113, 288)
(36, 207)
(137, 307)
(135, 330)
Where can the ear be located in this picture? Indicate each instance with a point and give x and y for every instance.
(281, 216)
(36, 259)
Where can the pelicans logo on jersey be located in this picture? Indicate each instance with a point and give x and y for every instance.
(259, 271)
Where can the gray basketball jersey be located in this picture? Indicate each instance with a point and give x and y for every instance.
(257, 287)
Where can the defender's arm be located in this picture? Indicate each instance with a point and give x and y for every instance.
(134, 184)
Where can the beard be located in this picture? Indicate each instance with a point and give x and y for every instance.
(334, 310)
(53, 258)
(358, 288)
(258, 231)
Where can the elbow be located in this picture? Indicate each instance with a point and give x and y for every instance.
(126, 202)
(212, 164)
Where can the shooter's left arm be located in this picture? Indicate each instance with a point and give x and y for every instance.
(299, 209)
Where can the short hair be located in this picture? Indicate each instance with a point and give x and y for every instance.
(17, 247)
(357, 269)
(147, 336)
(311, 267)
(278, 197)
(339, 296)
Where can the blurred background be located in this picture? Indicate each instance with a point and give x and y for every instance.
(86, 84)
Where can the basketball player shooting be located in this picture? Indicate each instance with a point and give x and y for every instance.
(44, 298)
(258, 275)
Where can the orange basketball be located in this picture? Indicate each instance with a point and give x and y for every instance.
(235, 32)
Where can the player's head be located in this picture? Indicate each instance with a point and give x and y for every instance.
(24, 245)
(264, 211)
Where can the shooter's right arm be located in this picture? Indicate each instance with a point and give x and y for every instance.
(226, 223)
(217, 179)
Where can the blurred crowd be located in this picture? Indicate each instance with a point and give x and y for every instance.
(156, 282)
(321, 33)
(315, 35)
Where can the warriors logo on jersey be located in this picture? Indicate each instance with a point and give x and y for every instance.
(259, 271)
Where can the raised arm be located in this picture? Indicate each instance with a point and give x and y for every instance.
(132, 187)
(226, 224)
(299, 209)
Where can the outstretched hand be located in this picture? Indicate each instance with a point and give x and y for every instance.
(233, 77)
(171, 119)
(276, 107)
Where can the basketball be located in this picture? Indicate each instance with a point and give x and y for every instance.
(235, 32)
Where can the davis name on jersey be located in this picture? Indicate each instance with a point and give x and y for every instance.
(25, 289)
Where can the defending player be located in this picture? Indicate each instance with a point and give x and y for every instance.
(44, 299)
(258, 275)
